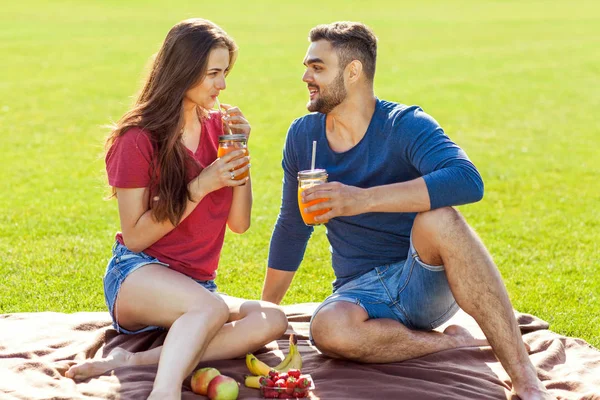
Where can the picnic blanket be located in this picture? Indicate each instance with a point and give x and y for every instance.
(35, 347)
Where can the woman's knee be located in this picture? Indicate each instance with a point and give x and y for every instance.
(276, 320)
(214, 306)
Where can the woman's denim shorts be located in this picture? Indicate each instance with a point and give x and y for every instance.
(411, 292)
(120, 266)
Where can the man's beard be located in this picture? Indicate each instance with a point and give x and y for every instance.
(330, 96)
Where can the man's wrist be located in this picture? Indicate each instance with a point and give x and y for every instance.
(370, 199)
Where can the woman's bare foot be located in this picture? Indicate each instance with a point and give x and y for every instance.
(117, 358)
(161, 394)
(535, 392)
(464, 337)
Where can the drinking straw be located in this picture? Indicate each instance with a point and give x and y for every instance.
(314, 153)
(221, 113)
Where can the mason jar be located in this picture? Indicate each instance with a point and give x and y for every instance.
(229, 143)
(308, 179)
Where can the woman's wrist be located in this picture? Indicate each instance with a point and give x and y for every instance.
(197, 189)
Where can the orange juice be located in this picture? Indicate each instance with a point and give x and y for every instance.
(229, 143)
(307, 179)
(309, 218)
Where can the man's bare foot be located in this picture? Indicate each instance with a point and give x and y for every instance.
(464, 337)
(117, 358)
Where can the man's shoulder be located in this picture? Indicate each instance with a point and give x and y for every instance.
(312, 120)
(404, 115)
(395, 110)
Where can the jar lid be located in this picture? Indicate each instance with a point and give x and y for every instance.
(237, 137)
(312, 174)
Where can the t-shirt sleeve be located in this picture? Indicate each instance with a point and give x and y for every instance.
(128, 160)
(290, 235)
(450, 176)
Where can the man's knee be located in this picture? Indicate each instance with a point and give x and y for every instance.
(435, 221)
(334, 329)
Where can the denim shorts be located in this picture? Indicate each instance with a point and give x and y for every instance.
(411, 292)
(120, 266)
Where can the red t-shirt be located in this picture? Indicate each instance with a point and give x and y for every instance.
(194, 246)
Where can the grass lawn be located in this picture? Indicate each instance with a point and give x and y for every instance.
(514, 83)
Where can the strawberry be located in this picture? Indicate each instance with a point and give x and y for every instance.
(300, 393)
(263, 381)
(273, 374)
(303, 382)
(290, 385)
(295, 373)
(270, 383)
(280, 383)
(270, 394)
(284, 376)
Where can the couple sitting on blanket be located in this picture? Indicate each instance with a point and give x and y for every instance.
(404, 259)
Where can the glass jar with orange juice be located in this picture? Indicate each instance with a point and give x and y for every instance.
(307, 179)
(229, 143)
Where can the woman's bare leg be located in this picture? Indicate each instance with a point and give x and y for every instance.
(251, 325)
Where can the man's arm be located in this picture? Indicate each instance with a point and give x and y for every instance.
(411, 196)
(276, 285)
(448, 177)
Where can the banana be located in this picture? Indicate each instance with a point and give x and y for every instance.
(248, 363)
(286, 360)
(296, 362)
(295, 359)
(256, 366)
(252, 381)
(292, 360)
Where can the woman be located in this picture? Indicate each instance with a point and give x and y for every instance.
(175, 198)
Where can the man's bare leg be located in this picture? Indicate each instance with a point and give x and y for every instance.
(440, 237)
(252, 324)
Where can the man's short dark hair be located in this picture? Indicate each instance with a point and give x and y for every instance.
(351, 41)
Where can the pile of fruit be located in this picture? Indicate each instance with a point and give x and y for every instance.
(284, 381)
(285, 385)
(209, 382)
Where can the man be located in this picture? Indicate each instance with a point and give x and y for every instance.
(404, 259)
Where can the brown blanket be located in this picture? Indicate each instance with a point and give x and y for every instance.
(35, 347)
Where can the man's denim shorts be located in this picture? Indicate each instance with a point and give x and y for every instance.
(411, 292)
(120, 266)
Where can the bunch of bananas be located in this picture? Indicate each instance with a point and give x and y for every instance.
(293, 360)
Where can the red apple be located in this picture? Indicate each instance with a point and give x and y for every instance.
(201, 378)
(223, 388)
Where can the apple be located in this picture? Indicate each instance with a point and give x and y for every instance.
(201, 378)
(223, 388)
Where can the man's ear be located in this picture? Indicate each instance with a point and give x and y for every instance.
(355, 70)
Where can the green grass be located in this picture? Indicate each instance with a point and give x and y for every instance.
(514, 83)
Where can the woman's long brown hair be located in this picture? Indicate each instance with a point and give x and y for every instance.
(180, 64)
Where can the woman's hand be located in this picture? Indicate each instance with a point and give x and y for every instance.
(235, 120)
(221, 173)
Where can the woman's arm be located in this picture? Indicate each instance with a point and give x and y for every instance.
(241, 208)
(140, 229)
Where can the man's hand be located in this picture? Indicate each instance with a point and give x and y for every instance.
(343, 200)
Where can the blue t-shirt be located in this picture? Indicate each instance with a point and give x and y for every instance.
(401, 143)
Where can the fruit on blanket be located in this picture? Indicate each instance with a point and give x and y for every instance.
(223, 387)
(303, 382)
(253, 381)
(255, 366)
(295, 373)
(201, 378)
(292, 360)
